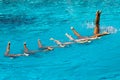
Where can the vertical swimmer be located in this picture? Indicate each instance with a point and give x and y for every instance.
(97, 28)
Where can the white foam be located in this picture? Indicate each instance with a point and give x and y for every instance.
(90, 25)
(109, 29)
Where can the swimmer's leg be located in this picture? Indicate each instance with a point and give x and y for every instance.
(7, 49)
(76, 33)
(97, 28)
(39, 44)
(27, 52)
(97, 20)
(57, 42)
(44, 48)
(25, 48)
(102, 34)
(98, 13)
(77, 40)
(70, 37)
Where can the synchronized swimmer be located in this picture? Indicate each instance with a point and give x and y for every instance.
(80, 39)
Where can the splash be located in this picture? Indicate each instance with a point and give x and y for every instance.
(110, 29)
(90, 25)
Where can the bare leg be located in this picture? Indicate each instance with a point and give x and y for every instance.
(39, 44)
(27, 52)
(45, 48)
(69, 36)
(58, 42)
(102, 34)
(7, 49)
(97, 29)
(76, 33)
(77, 40)
(7, 53)
(25, 48)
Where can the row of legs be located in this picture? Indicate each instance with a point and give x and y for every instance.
(81, 39)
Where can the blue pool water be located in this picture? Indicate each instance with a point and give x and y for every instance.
(28, 20)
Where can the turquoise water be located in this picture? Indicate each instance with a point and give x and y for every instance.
(28, 20)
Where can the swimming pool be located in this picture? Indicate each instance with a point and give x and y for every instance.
(28, 20)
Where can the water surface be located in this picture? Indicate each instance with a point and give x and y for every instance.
(28, 20)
